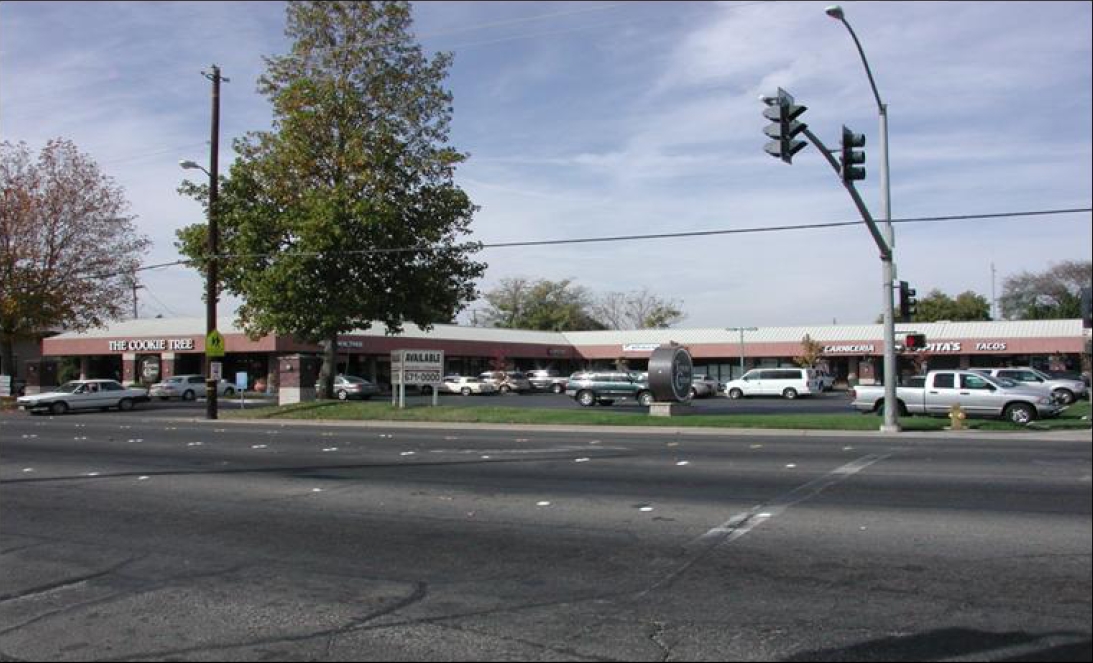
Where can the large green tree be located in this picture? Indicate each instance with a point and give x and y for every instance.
(345, 212)
(967, 306)
(545, 305)
(1052, 294)
(68, 249)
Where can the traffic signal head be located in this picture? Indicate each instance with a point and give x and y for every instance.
(915, 342)
(852, 156)
(908, 305)
(784, 126)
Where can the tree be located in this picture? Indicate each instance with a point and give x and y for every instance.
(639, 309)
(544, 305)
(968, 306)
(68, 251)
(345, 213)
(1052, 294)
(811, 351)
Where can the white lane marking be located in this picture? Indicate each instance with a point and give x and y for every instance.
(743, 523)
(543, 503)
(683, 463)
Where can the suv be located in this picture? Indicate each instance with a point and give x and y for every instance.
(1064, 391)
(605, 387)
(548, 380)
(785, 382)
(507, 381)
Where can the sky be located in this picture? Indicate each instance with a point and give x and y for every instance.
(606, 119)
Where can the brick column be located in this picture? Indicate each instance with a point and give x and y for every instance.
(167, 365)
(41, 375)
(296, 378)
(129, 368)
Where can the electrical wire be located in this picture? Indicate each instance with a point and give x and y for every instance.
(480, 246)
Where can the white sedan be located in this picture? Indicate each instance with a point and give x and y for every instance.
(456, 384)
(84, 395)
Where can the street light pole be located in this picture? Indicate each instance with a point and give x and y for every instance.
(888, 266)
(742, 330)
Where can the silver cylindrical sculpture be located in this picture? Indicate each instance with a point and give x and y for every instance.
(671, 372)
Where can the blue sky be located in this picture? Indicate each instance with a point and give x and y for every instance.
(622, 118)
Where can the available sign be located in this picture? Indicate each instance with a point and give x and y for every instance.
(417, 367)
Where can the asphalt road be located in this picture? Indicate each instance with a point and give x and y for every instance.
(128, 536)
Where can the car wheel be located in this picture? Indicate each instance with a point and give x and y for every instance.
(586, 398)
(557, 388)
(188, 395)
(58, 408)
(694, 393)
(343, 395)
(164, 398)
(1064, 396)
(229, 392)
(466, 391)
(645, 398)
(1020, 414)
(505, 389)
(125, 404)
(789, 394)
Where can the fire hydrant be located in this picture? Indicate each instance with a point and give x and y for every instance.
(956, 414)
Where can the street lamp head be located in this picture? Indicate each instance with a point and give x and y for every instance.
(188, 165)
(834, 11)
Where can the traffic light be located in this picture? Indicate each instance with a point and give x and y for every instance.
(915, 342)
(850, 159)
(908, 305)
(784, 127)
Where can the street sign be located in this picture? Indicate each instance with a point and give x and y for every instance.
(214, 344)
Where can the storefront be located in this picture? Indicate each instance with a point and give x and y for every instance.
(145, 351)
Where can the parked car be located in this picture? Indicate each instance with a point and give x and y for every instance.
(788, 383)
(84, 395)
(704, 386)
(1065, 391)
(351, 386)
(188, 387)
(507, 381)
(457, 384)
(548, 380)
(605, 387)
(977, 395)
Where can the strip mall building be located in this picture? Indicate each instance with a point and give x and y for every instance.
(150, 350)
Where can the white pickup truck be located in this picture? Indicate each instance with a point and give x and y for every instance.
(977, 395)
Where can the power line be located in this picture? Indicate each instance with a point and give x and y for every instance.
(479, 246)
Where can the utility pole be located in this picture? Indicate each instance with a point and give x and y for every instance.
(212, 383)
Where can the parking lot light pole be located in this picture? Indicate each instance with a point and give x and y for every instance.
(891, 414)
(741, 330)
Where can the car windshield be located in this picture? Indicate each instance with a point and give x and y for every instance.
(69, 387)
(354, 379)
(1008, 383)
(175, 380)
